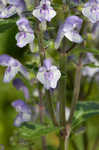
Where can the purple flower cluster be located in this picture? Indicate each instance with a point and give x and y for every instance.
(48, 74)
(24, 111)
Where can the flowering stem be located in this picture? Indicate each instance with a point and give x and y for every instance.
(66, 133)
(62, 97)
(41, 107)
(64, 138)
(42, 56)
(76, 88)
(62, 90)
(50, 108)
(41, 43)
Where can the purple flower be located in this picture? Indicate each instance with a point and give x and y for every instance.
(6, 12)
(21, 106)
(13, 7)
(19, 85)
(91, 10)
(48, 74)
(26, 34)
(18, 120)
(44, 12)
(19, 5)
(70, 29)
(13, 67)
(21, 118)
(18, 105)
(89, 71)
(24, 111)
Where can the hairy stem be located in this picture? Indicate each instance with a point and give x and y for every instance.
(50, 107)
(41, 108)
(76, 88)
(39, 33)
(62, 90)
(64, 138)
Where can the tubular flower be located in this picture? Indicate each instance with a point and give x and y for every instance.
(44, 12)
(19, 5)
(9, 8)
(88, 71)
(26, 34)
(13, 67)
(24, 111)
(6, 12)
(91, 10)
(70, 29)
(48, 75)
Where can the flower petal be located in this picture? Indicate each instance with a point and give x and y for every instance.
(10, 73)
(24, 25)
(60, 36)
(7, 11)
(24, 72)
(74, 37)
(24, 38)
(18, 105)
(50, 14)
(91, 10)
(47, 63)
(5, 59)
(56, 76)
(44, 12)
(26, 117)
(18, 121)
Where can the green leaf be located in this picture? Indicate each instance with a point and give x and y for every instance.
(6, 24)
(32, 131)
(84, 111)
